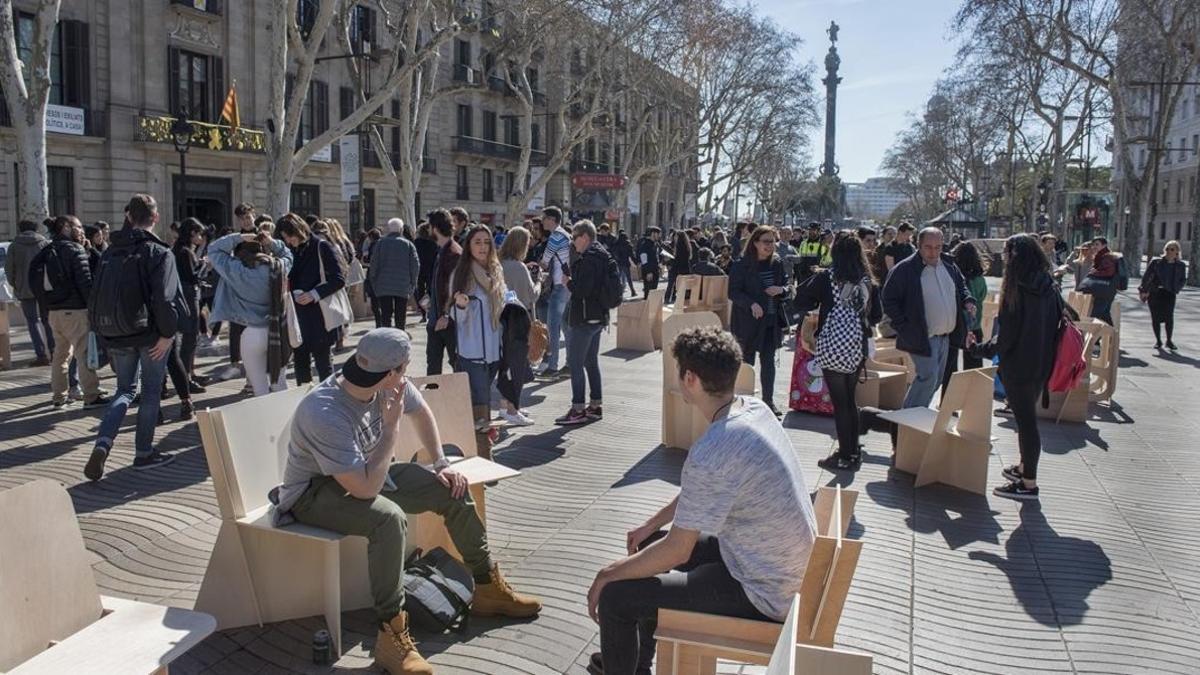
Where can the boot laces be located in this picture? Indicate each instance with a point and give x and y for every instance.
(403, 640)
(501, 584)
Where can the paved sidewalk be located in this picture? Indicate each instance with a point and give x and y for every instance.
(1103, 577)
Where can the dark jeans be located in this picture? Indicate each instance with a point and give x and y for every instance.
(583, 358)
(441, 342)
(304, 355)
(766, 373)
(235, 342)
(131, 365)
(38, 320)
(180, 378)
(1023, 400)
(845, 410)
(1162, 312)
(649, 282)
(669, 297)
(422, 290)
(1103, 294)
(626, 277)
(969, 362)
(629, 609)
(187, 350)
(389, 306)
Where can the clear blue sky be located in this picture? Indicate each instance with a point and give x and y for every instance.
(892, 52)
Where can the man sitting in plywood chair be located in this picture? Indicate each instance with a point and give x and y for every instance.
(742, 524)
(339, 476)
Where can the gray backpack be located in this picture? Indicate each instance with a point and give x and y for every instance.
(438, 590)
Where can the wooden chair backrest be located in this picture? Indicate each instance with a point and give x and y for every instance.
(783, 659)
(246, 444)
(714, 291)
(986, 320)
(970, 395)
(1081, 303)
(47, 589)
(833, 503)
(654, 303)
(449, 397)
(687, 290)
(672, 327)
(831, 565)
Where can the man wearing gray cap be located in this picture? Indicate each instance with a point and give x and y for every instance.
(340, 476)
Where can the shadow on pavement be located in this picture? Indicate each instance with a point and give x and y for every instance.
(1041, 562)
(960, 517)
(661, 463)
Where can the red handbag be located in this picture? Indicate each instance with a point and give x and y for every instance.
(808, 392)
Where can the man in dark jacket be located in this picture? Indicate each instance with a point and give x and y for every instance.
(62, 281)
(925, 299)
(705, 266)
(20, 254)
(393, 274)
(138, 356)
(441, 333)
(427, 253)
(622, 251)
(586, 318)
(647, 251)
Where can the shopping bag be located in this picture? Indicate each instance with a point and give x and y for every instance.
(808, 392)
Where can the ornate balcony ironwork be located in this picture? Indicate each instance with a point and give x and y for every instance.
(157, 129)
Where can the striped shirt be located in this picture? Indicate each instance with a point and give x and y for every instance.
(557, 255)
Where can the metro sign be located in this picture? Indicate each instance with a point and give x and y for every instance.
(597, 181)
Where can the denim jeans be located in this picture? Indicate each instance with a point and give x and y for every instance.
(40, 334)
(583, 357)
(127, 362)
(480, 376)
(929, 372)
(555, 315)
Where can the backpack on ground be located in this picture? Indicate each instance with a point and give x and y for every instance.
(55, 285)
(613, 290)
(1070, 364)
(438, 590)
(841, 344)
(1121, 280)
(118, 306)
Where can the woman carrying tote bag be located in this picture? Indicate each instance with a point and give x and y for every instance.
(318, 288)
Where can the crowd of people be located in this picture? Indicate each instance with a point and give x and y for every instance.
(96, 297)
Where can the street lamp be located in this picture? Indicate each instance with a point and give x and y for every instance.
(181, 134)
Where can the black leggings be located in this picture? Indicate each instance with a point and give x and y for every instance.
(845, 410)
(1162, 312)
(320, 354)
(629, 609)
(235, 342)
(180, 378)
(1023, 400)
(766, 372)
(389, 306)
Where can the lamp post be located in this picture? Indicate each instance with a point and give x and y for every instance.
(181, 134)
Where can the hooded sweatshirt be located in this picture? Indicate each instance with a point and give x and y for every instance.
(20, 254)
(1027, 337)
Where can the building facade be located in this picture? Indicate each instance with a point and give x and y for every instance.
(122, 68)
(875, 199)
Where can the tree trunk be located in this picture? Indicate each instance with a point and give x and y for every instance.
(31, 165)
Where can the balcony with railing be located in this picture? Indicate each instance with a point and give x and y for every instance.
(488, 148)
(466, 74)
(157, 129)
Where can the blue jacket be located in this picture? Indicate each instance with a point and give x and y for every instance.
(394, 268)
(243, 295)
(904, 305)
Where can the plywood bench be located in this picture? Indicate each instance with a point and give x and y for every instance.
(1081, 303)
(260, 573)
(52, 617)
(1102, 364)
(682, 424)
(713, 297)
(687, 292)
(939, 447)
(689, 643)
(639, 322)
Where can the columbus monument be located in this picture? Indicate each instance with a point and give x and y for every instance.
(831, 81)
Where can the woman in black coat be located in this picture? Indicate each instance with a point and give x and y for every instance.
(680, 264)
(1161, 283)
(311, 255)
(1026, 340)
(758, 289)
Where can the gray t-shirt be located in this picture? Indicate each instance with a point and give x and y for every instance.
(332, 433)
(742, 484)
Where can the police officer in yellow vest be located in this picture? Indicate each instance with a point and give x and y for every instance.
(812, 252)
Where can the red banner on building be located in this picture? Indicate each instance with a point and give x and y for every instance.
(597, 181)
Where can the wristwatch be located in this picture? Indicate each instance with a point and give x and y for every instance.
(442, 463)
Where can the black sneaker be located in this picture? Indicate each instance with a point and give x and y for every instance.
(1013, 473)
(775, 411)
(1158, 345)
(1171, 346)
(186, 411)
(166, 394)
(152, 461)
(836, 462)
(94, 469)
(100, 401)
(573, 417)
(1004, 411)
(596, 666)
(594, 413)
(1016, 491)
(195, 387)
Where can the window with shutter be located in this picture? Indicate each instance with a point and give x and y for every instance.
(488, 188)
(75, 64)
(346, 102)
(489, 125)
(194, 82)
(217, 99)
(322, 108)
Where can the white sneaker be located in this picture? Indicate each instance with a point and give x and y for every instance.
(76, 394)
(517, 419)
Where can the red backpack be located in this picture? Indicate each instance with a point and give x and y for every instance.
(1069, 362)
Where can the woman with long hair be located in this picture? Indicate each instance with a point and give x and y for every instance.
(477, 293)
(758, 287)
(517, 279)
(1025, 338)
(1164, 278)
(970, 264)
(191, 269)
(847, 297)
(316, 274)
(681, 264)
(323, 228)
(337, 237)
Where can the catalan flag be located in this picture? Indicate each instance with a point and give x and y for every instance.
(229, 112)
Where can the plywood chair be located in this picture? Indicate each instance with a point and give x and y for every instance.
(885, 386)
(987, 320)
(1103, 365)
(52, 617)
(1081, 303)
(938, 447)
(689, 643)
(1072, 406)
(687, 292)
(260, 573)
(888, 355)
(715, 294)
(791, 658)
(639, 323)
(682, 425)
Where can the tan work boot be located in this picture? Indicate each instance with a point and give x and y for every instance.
(497, 598)
(483, 427)
(395, 651)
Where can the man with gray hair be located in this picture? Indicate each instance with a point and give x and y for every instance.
(926, 298)
(393, 275)
(342, 475)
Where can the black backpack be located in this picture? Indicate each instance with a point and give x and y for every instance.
(1122, 278)
(119, 303)
(438, 590)
(54, 286)
(613, 290)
